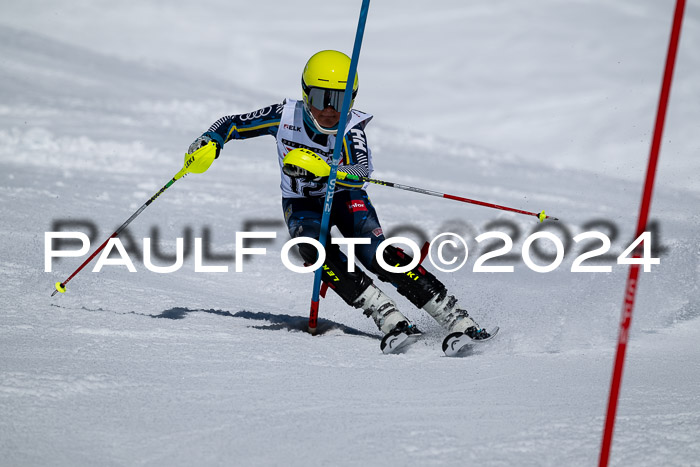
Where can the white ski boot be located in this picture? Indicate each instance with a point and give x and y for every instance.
(382, 309)
(444, 309)
(398, 331)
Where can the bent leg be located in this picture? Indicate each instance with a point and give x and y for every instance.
(425, 291)
(303, 217)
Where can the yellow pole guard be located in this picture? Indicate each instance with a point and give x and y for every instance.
(308, 160)
(199, 161)
(542, 216)
(60, 287)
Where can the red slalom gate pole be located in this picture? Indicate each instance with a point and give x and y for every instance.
(632, 279)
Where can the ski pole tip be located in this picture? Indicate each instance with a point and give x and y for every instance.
(542, 216)
(59, 288)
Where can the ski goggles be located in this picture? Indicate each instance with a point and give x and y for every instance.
(320, 98)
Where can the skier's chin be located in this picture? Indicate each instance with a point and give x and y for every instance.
(329, 122)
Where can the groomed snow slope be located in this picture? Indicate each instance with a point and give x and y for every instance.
(214, 369)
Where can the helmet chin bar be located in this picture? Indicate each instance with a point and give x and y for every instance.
(323, 130)
(318, 126)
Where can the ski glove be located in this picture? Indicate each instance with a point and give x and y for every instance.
(201, 142)
(295, 171)
(305, 164)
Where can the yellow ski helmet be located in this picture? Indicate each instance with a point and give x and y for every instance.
(323, 83)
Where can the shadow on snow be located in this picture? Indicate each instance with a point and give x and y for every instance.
(278, 321)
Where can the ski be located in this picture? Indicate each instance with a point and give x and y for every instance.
(396, 341)
(458, 343)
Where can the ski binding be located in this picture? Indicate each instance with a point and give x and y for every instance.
(395, 341)
(458, 343)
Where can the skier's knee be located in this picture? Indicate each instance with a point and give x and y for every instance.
(334, 273)
(348, 285)
(308, 253)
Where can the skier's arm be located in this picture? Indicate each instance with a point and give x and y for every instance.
(261, 122)
(356, 156)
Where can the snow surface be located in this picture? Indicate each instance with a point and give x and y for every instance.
(99, 101)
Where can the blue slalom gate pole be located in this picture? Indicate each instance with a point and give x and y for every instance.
(330, 190)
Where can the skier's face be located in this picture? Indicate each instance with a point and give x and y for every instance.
(327, 118)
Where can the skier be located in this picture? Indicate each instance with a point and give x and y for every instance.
(312, 123)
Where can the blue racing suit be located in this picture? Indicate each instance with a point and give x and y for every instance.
(352, 211)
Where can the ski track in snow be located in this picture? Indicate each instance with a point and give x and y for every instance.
(216, 369)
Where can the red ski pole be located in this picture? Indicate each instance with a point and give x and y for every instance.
(197, 162)
(302, 162)
(541, 215)
(61, 286)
